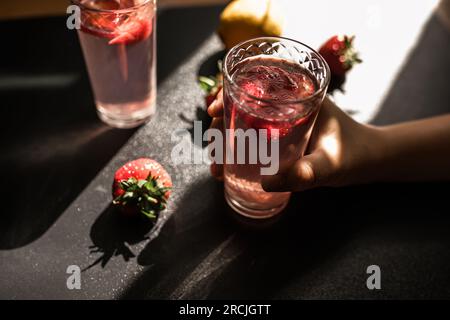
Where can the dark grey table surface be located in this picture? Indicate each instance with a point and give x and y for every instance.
(57, 162)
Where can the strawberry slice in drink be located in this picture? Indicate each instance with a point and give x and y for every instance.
(268, 91)
(132, 32)
(122, 28)
(128, 32)
(273, 85)
(114, 23)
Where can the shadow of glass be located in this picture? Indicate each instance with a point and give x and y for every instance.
(306, 236)
(421, 88)
(209, 252)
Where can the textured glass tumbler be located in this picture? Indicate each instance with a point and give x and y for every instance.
(269, 83)
(118, 39)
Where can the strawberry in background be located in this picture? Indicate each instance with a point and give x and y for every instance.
(340, 55)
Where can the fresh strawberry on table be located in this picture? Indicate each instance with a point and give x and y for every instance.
(338, 52)
(141, 186)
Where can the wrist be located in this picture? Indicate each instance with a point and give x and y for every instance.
(379, 145)
(372, 142)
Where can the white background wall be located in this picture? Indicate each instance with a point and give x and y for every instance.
(386, 31)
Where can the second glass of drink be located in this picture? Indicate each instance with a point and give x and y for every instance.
(119, 47)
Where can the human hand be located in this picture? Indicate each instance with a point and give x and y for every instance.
(340, 152)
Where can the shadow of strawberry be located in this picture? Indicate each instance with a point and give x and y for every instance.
(113, 233)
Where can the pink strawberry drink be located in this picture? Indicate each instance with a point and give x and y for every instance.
(266, 91)
(118, 42)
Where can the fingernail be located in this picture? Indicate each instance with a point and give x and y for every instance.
(274, 183)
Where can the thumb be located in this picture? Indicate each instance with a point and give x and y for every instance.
(308, 172)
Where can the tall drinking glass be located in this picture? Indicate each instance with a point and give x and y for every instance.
(118, 43)
(276, 84)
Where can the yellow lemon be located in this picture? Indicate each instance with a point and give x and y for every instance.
(245, 19)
